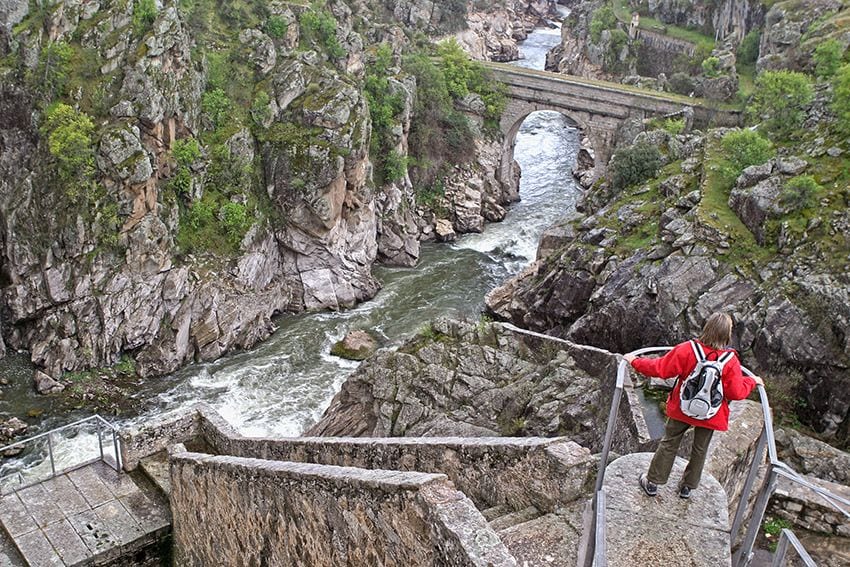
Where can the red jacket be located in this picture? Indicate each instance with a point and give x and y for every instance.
(679, 362)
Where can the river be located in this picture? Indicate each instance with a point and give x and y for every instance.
(284, 385)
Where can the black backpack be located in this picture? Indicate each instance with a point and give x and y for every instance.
(701, 393)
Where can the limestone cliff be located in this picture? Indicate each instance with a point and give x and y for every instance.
(173, 176)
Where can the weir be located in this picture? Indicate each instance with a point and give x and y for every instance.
(227, 499)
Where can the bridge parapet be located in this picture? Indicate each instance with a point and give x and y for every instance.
(598, 108)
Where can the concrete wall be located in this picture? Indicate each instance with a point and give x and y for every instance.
(246, 512)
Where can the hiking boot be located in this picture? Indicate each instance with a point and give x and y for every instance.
(684, 492)
(650, 488)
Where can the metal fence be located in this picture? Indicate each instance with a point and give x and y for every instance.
(775, 469)
(35, 459)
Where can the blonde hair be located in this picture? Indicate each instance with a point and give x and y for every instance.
(717, 332)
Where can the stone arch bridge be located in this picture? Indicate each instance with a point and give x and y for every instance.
(598, 108)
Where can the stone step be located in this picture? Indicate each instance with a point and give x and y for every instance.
(638, 527)
(156, 468)
(513, 518)
(551, 540)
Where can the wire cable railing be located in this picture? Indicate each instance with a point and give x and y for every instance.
(775, 469)
(40, 453)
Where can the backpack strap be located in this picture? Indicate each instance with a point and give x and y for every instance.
(698, 352)
(726, 357)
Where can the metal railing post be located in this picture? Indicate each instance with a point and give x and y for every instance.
(600, 552)
(748, 487)
(743, 555)
(50, 454)
(787, 537)
(99, 439)
(781, 550)
(115, 448)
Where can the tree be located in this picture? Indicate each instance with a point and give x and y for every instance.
(748, 51)
(841, 99)
(53, 70)
(780, 101)
(711, 67)
(634, 165)
(456, 67)
(603, 19)
(827, 58)
(743, 148)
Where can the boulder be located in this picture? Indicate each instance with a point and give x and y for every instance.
(356, 345)
(44, 384)
(444, 230)
(811, 456)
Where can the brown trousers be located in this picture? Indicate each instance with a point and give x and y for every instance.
(662, 461)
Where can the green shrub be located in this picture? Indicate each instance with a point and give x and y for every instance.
(185, 153)
(456, 67)
(234, 217)
(144, 15)
(319, 25)
(384, 107)
(711, 67)
(69, 141)
(827, 58)
(743, 148)
(841, 99)
(612, 61)
(634, 165)
(780, 101)
(674, 126)
(603, 19)
(276, 27)
(748, 51)
(217, 107)
(260, 110)
(799, 192)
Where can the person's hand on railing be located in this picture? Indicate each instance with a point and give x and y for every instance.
(629, 357)
(759, 381)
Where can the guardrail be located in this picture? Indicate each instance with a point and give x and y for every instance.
(776, 468)
(100, 426)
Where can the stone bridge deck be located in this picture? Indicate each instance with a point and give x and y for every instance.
(83, 517)
(664, 530)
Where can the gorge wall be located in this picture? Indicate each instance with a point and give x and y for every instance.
(172, 177)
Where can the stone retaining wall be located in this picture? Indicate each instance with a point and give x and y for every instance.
(805, 509)
(238, 511)
(517, 472)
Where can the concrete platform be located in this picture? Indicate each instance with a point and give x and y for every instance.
(88, 515)
(664, 530)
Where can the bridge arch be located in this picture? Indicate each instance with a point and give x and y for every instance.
(511, 121)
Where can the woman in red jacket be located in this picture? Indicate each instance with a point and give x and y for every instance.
(679, 362)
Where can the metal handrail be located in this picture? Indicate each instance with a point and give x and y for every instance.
(787, 537)
(100, 424)
(776, 468)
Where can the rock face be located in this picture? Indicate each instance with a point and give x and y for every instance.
(493, 35)
(647, 266)
(791, 32)
(459, 379)
(139, 262)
